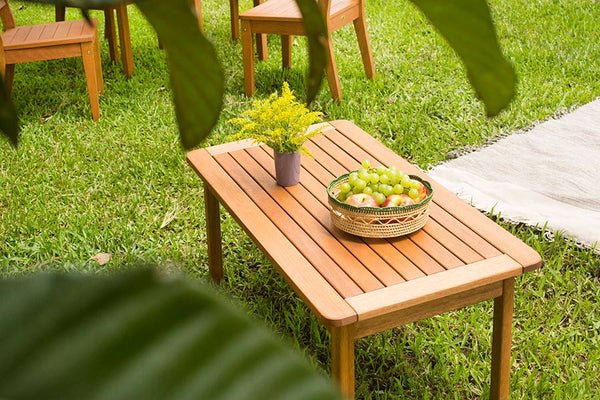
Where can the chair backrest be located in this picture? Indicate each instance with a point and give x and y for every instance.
(6, 15)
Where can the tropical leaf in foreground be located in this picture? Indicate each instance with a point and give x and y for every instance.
(139, 336)
(467, 26)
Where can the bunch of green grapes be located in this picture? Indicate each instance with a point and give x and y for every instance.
(379, 182)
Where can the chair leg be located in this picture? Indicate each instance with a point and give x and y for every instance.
(360, 27)
(248, 57)
(89, 67)
(59, 13)
(98, 64)
(342, 359)
(234, 14)
(110, 32)
(197, 4)
(286, 50)
(125, 39)
(9, 76)
(261, 40)
(331, 69)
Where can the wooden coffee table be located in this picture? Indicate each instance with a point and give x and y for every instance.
(357, 287)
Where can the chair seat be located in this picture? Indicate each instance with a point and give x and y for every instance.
(52, 34)
(287, 10)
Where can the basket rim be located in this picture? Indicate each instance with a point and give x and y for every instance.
(387, 210)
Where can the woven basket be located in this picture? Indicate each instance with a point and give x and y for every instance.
(375, 222)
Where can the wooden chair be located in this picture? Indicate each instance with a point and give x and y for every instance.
(282, 17)
(52, 41)
(110, 31)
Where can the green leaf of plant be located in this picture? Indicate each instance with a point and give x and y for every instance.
(316, 32)
(9, 124)
(136, 336)
(468, 28)
(196, 74)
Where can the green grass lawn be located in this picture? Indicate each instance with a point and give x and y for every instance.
(75, 188)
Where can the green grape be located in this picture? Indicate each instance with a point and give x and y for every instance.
(398, 189)
(360, 184)
(345, 187)
(384, 178)
(356, 190)
(394, 177)
(374, 178)
(380, 197)
(352, 178)
(374, 187)
(387, 190)
(368, 190)
(413, 193)
(366, 164)
(381, 170)
(341, 196)
(364, 174)
(406, 181)
(415, 184)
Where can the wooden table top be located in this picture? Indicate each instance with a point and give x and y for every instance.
(344, 278)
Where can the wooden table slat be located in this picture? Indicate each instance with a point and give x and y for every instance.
(455, 245)
(320, 260)
(466, 235)
(305, 194)
(311, 226)
(425, 261)
(437, 250)
(479, 223)
(314, 290)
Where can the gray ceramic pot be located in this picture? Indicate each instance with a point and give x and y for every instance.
(287, 168)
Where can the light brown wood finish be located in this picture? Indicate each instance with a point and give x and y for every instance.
(53, 41)
(310, 285)
(355, 286)
(443, 284)
(110, 30)
(124, 38)
(501, 340)
(213, 235)
(283, 17)
(342, 358)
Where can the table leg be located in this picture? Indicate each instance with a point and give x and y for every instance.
(125, 39)
(501, 341)
(342, 359)
(213, 233)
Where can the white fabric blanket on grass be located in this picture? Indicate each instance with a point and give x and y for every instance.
(550, 174)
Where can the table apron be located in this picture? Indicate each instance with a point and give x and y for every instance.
(456, 301)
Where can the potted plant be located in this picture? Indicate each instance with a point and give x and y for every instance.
(281, 123)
